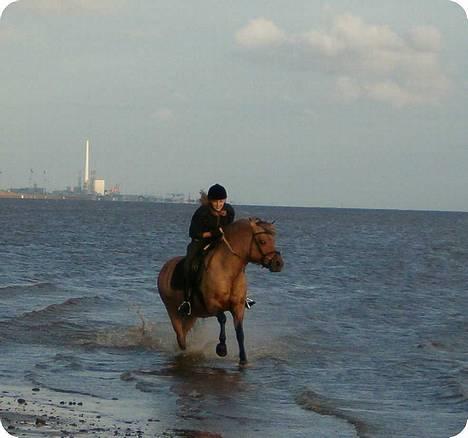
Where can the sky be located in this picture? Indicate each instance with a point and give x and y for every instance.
(343, 103)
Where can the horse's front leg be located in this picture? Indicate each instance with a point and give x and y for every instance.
(221, 349)
(238, 325)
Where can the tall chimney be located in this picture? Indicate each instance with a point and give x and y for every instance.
(86, 171)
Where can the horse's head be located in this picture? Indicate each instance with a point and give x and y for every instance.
(262, 248)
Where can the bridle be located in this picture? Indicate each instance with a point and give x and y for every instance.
(267, 257)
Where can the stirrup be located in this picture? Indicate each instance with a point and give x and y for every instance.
(249, 302)
(185, 308)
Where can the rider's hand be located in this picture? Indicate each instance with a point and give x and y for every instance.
(216, 234)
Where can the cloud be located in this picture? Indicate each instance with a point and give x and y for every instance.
(392, 92)
(349, 32)
(425, 38)
(367, 61)
(260, 33)
(347, 88)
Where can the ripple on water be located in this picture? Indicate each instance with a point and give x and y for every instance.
(322, 405)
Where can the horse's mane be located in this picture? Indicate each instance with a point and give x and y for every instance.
(269, 227)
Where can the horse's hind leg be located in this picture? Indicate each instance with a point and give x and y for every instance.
(178, 326)
(187, 324)
(221, 349)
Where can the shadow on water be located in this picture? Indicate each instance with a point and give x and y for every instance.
(190, 373)
(198, 389)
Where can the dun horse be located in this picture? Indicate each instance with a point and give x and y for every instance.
(223, 285)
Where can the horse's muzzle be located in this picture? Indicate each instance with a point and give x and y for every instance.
(276, 263)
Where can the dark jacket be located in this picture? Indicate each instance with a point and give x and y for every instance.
(204, 220)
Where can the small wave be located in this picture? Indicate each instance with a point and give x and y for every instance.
(56, 323)
(61, 308)
(322, 405)
(53, 332)
(186, 433)
(14, 289)
(36, 381)
(452, 392)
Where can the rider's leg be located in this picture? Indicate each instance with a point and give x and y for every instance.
(193, 249)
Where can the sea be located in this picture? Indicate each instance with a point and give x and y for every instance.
(363, 334)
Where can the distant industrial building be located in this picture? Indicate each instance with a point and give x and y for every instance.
(86, 185)
(99, 187)
(91, 184)
(34, 190)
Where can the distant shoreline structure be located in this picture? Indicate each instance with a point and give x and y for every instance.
(5, 195)
(92, 197)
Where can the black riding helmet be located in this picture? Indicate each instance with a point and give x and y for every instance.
(216, 192)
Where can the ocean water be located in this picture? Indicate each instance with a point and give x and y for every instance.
(364, 333)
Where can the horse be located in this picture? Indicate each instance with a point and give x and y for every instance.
(223, 284)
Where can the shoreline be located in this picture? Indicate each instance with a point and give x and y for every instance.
(39, 412)
(4, 195)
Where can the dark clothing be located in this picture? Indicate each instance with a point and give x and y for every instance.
(194, 248)
(204, 220)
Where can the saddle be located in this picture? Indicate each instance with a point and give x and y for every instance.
(197, 270)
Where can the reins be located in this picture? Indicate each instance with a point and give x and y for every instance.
(230, 247)
(266, 261)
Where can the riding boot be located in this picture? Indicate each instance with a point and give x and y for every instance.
(185, 309)
(193, 249)
(249, 302)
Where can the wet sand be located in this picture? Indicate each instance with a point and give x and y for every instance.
(41, 413)
(35, 412)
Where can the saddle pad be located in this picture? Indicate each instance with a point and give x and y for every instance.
(177, 280)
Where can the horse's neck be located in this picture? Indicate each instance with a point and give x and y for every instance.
(226, 256)
(234, 251)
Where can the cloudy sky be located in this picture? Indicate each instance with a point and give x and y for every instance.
(343, 103)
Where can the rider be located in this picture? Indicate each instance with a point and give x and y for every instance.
(206, 227)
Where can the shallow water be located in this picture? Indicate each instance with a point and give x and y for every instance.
(364, 333)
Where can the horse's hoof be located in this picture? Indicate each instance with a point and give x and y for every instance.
(243, 363)
(221, 350)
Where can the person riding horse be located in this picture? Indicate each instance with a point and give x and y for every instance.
(206, 227)
(223, 285)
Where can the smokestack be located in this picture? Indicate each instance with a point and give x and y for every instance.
(86, 171)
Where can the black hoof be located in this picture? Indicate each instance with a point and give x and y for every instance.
(243, 363)
(221, 350)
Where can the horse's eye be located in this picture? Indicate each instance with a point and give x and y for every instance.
(262, 242)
